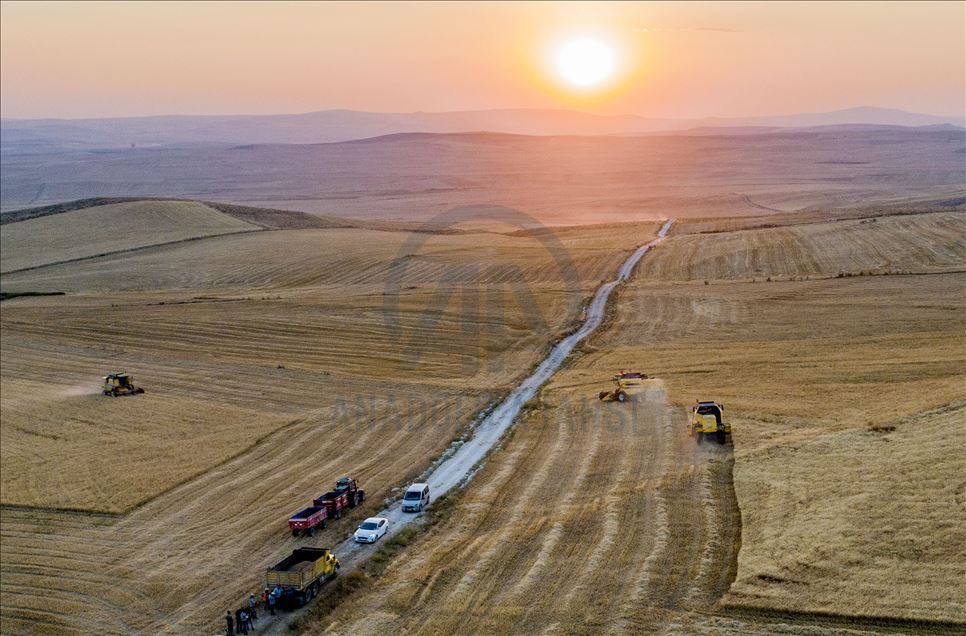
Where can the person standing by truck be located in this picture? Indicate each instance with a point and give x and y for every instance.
(252, 608)
(271, 604)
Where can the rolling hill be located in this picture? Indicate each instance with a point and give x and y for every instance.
(46, 135)
(558, 180)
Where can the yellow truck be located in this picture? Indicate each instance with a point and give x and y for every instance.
(297, 578)
(707, 418)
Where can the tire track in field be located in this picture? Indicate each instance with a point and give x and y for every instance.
(719, 563)
(649, 571)
(550, 541)
(539, 591)
(527, 478)
(524, 580)
(454, 549)
(526, 475)
(601, 554)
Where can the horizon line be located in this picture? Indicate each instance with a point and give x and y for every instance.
(483, 110)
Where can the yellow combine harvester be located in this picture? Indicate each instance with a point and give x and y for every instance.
(119, 383)
(627, 383)
(707, 418)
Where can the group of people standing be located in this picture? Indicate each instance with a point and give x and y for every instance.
(244, 618)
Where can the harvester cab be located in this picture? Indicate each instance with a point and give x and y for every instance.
(707, 418)
(626, 383)
(119, 383)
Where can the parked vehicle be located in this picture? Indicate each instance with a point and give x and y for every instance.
(371, 530)
(347, 494)
(297, 578)
(351, 488)
(307, 520)
(416, 498)
(334, 502)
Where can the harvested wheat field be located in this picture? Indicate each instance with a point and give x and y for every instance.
(832, 439)
(872, 245)
(277, 360)
(589, 519)
(847, 403)
(846, 396)
(274, 361)
(110, 228)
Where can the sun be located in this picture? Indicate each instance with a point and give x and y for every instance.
(585, 62)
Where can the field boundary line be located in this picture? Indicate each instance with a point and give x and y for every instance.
(777, 226)
(836, 619)
(128, 250)
(66, 510)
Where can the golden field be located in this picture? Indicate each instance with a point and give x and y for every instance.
(846, 424)
(590, 519)
(277, 360)
(273, 365)
(109, 228)
(847, 401)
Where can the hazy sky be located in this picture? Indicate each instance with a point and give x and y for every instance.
(672, 60)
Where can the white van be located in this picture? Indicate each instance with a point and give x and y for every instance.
(416, 498)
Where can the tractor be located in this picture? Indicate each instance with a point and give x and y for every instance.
(351, 488)
(626, 384)
(120, 383)
(707, 419)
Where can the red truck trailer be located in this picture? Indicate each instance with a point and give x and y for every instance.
(333, 502)
(347, 494)
(307, 520)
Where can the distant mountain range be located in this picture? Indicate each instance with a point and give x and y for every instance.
(59, 135)
(412, 176)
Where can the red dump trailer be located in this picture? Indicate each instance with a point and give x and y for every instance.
(333, 502)
(347, 494)
(307, 520)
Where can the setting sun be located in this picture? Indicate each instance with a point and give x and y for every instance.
(585, 62)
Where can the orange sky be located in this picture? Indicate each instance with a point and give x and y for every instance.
(674, 60)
